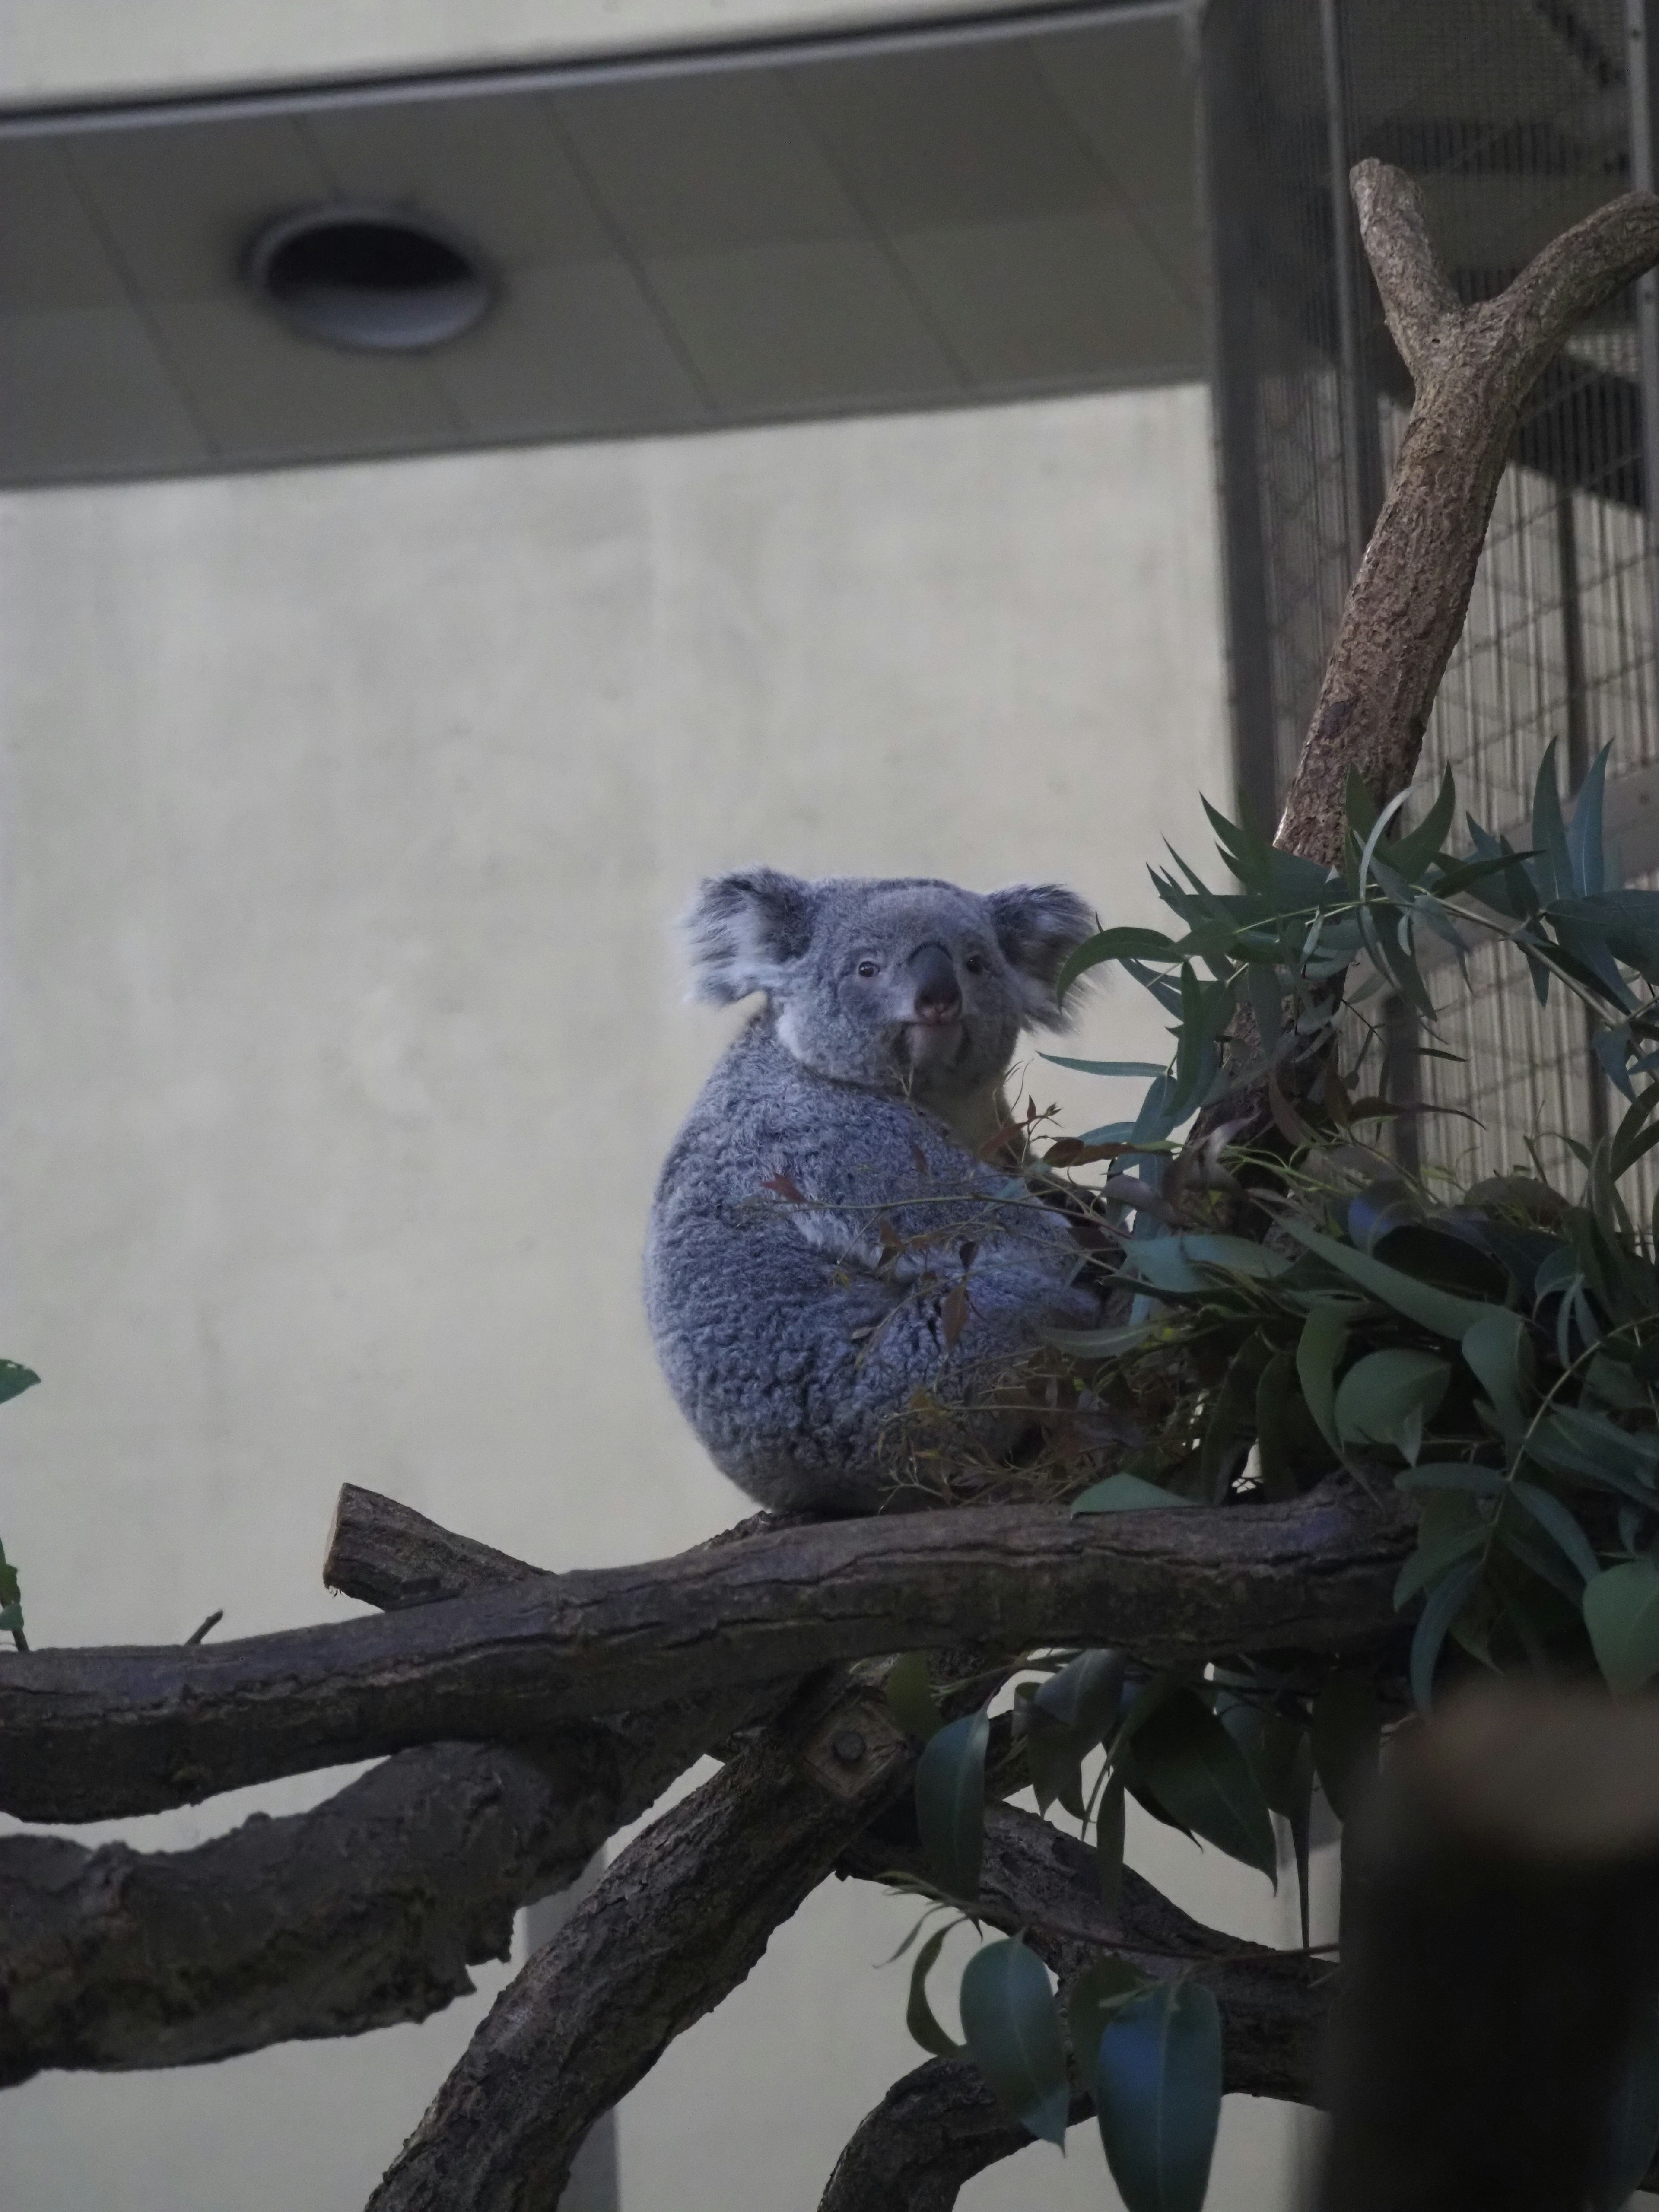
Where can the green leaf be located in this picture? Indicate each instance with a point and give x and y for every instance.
(1084, 1695)
(1499, 1349)
(1346, 1730)
(1584, 853)
(1112, 944)
(1158, 2096)
(950, 1803)
(1093, 2001)
(1633, 2118)
(1558, 1522)
(1435, 1555)
(1199, 1775)
(1014, 2036)
(1621, 1612)
(1385, 1397)
(11, 1618)
(909, 1693)
(1053, 1760)
(918, 2013)
(14, 1380)
(1445, 1602)
(1173, 1264)
(1318, 1355)
(1552, 868)
(1104, 1067)
(1441, 1311)
(1282, 1434)
(1109, 1843)
(1125, 1493)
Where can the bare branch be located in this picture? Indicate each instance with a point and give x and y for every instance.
(933, 2130)
(1472, 368)
(391, 1556)
(108, 1731)
(675, 1924)
(365, 1910)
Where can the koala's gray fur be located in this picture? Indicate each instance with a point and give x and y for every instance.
(824, 1199)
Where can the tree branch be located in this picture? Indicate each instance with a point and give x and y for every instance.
(1472, 368)
(1038, 1878)
(364, 1911)
(675, 1923)
(96, 1733)
(934, 2130)
(940, 2125)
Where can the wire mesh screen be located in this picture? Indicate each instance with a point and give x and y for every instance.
(1514, 118)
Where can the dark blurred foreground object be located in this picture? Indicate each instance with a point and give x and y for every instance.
(1498, 2041)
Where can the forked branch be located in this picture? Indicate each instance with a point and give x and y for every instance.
(1473, 368)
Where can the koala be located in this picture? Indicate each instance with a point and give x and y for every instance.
(827, 1239)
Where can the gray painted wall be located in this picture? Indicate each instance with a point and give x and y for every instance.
(343, 815)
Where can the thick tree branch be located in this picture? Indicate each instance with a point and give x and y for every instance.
(364, 1911)
(108, 1731)
(675, 1924)
(1037, 1877)
(939, 2126)
(934, 2130)
(1472, 368)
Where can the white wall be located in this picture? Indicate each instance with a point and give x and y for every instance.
(342, 817)
(67, 49)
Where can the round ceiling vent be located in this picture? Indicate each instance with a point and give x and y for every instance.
(377, 278)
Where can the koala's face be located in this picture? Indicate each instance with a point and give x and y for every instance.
(905, 985)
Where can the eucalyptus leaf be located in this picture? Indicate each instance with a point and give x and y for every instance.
(909, 1693)
(1094, 1999)
(1318, 1355)
(1199, 1775)
(918, 2012)
(1385, 1397)
(1621, 1612)
(1014, 2035)
(1125, 1493)
(1445, 1601)
(1109, 1843)
(1084, 1695)
(1441, 1311)
(1158, 2096)
(950, 1792)
(1345, 1730)
(1633, 2118)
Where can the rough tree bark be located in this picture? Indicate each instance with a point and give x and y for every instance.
(1473, 368)
(365, 1910)
(96, 1734)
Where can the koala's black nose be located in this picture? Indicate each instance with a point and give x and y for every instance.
(938, 994)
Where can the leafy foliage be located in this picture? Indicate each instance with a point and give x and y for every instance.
(1296, 1306)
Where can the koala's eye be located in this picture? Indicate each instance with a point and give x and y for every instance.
(975, 963)
(868, 968)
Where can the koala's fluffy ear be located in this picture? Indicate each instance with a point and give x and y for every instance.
(745, 930)
(1037, 925)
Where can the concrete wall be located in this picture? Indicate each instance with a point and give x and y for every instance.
(342, 818)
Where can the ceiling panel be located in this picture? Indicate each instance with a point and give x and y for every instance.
(575, 349)
(495, 167)
(178, 203)
(699, 163)
(830, 322)
(916, 219)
